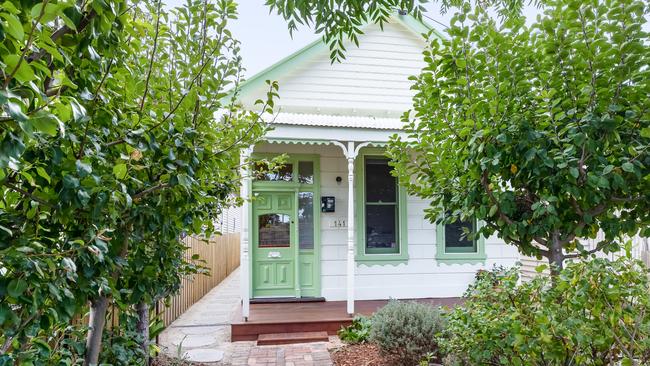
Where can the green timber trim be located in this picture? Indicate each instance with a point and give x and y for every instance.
(442, 256)
(418, 26)
(293, 61)
(296, 187)
(360, 193)
(297, 142)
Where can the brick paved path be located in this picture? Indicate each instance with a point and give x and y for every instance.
(307, 354)
(206, 326)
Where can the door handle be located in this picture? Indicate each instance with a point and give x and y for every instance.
(274, 255)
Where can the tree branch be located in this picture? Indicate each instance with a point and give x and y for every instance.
(178, 103)
(153, 54)
(150, 190)
(30, 39)
(101, 83)
(83, 23)
(28, 194)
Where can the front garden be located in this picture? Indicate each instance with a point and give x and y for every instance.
(594, 312)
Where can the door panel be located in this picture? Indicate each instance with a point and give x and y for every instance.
(306, 274)
(274, 245)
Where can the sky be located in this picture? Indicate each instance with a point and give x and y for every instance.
(265, 38)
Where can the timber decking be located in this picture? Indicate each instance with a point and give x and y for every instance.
(289, 338)
(327, 316)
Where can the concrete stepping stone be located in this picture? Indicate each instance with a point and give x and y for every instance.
(199, 340)
(203, 355)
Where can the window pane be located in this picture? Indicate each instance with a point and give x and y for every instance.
(274, 231)
(456, 240)
(381, 229)
(380, 185)
(306, 220)
(282, 174)
(306, 172)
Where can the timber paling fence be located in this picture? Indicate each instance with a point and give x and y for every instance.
(221, 256)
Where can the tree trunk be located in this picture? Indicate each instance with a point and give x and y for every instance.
(6, 345)
(98, 309)
(556, 255)
(142, 328)
(96, 324)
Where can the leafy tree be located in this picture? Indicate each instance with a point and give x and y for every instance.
(112, 143)
(541, 132)
(596, 313)
(342, 20)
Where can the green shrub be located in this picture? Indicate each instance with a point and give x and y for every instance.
(357, 332)
(406, 331)
(593, 313)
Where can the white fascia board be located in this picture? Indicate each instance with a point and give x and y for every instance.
(295, 132)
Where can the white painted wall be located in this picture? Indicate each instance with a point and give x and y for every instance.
(421, 277)
(372, 80)
(640, 250)
(229, 221)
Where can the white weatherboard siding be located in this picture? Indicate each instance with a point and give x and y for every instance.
(421, 277)
(372, 80)
(640, 250)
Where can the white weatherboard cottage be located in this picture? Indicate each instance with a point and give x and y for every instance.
(333, 223)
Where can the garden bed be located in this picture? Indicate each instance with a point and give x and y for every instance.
(363, 354)
(164, 360)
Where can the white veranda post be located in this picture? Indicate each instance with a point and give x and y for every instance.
(350, 252)
(350, 152)
(245, 230)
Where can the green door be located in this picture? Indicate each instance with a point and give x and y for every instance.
(274, 244)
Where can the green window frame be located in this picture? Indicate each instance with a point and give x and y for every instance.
(459, 255)
(378, 256)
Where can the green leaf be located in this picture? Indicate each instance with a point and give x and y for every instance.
(16, 287)
(16, 112)
(78, 111)
(24, 73)
(184, 180)
(42, 173)
(493, 210)
(119, 171)
(15, 27)
(574, 172)
(70, 181)
(608, 169)
(541, 268)
(645, 132)
(628, 167)
(83, 169)
(46, 123)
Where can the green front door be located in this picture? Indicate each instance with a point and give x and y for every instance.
(274, 244)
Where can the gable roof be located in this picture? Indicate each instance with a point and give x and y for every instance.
(369, 89)
(418, 27)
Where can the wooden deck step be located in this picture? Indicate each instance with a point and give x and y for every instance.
(288, 338)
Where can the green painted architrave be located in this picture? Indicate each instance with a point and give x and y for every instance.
(359, 190)
(302, 256)
(442, 256)
(300, 57)
(417, 26)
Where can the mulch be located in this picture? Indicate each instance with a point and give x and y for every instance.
(364, 354)
(163, 360)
